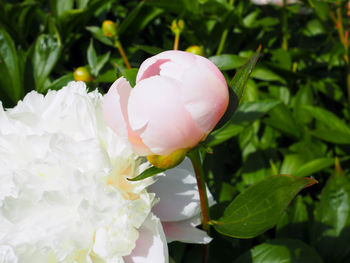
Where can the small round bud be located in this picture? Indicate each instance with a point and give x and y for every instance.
(177, 26)
(82, 74)
(168, 161)
(109, 28)
(197, 50)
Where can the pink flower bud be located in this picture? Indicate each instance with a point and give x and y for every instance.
(177, 100)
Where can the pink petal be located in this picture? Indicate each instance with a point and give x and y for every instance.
(205, 96)
(212, 67)
(156, 64)
(114, 106)
(183, 231)
(151, 245)
(157, 114)
(115, 111)
(181, 200)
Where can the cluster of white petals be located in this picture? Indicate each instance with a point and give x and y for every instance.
(64, 196)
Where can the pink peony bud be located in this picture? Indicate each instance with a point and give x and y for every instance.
(177, 100)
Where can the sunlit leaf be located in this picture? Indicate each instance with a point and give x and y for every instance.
(147, 173)
(259, 207)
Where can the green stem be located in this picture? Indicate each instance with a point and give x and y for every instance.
(198, 169)
(223, 36)
(176, 41)
(122, 53)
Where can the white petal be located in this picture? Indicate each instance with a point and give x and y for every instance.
(178, 194)
(184, 231)
(151, 245)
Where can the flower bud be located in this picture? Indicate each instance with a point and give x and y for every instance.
(178, 99)
(197, 50)
(82, 74)
(109, 28)
(177, 26)
(168, 161)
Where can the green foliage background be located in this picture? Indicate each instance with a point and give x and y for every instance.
(294, 118)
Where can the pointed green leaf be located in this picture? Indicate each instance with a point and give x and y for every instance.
(281, 118)
(59, 83)
(239, 81)
(10, 80)
(147, 173)
(130, 18)
(331, 128)
(101, 61)
(130, 75)
(331, 233)
(259, 207)
(92, 57)
(58, 7)
(98, 34)
(46, 53)
(227, 62)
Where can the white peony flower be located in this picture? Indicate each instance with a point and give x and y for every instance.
(64, 196)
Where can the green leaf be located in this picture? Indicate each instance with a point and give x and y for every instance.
(227, 62)
(82, 3)
(331, 128)
(59, 83)
(332, 228)
(239, 81)
(150, 49)
(291, 163)
(147, 173)
(98, 34)
(46, 53)
(130, 75)
(137, 20)
(297, 165)
(130, 18)
(10, 80)
(259, 207)
(246, 114)
(58, 7)
(107, 76)
(294, 222)
(281, 250)
(92, 57)
(101, 61)
(314, 166)
(263, 73)
(281, 118)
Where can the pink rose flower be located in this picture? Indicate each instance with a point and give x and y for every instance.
(178, 99)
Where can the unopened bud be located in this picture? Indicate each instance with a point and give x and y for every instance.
(109, 28)
(197, 50)
(82, 74)
(177, 26)
(168, 161)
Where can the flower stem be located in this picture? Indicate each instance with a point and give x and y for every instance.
(198, 169)
(122, 53)
(176, 41)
